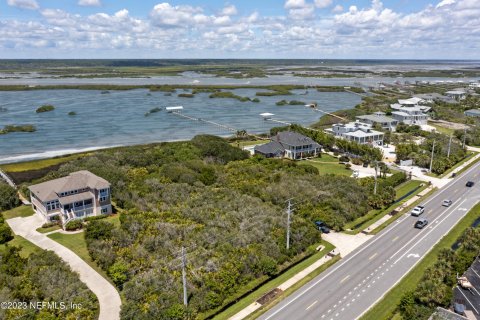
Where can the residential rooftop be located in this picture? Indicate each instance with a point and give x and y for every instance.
(51, 190)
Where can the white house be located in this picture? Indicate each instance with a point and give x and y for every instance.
(379, 118)
(458, 94)
(357, 131)
(81, 194)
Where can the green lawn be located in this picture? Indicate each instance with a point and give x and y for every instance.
(242, 144)
(406, 187)
(22, 211)
(27, 246)
(49, 229)
(76, 242)
(38, 164)
(327, 165)
(274, 283)
(442, 129)
(385, 309)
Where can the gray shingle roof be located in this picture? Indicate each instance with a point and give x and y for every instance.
(272, 147)
(49, 190)
(293, 139)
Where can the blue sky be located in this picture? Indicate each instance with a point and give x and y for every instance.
(436, 29)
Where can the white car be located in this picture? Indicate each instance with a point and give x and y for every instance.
(418, 210)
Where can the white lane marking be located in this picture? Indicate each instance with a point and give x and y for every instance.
(329, 310)
(471, 304)
(478, 275)
(312, 305)
(377, 238)
(395, 239)
(419, 234)
(426, 234)
(373, 256)
(344, 279)
(334, 306)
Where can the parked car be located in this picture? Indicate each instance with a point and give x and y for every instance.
(447, 203)
(470, 184)
(421, 223)
(322, 226)
(418, 210)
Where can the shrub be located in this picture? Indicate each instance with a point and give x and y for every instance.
(100, 217)
(72, 113)
(74, 225)
(5, 233)
(344, 159)
(45, 108)
(357, 161)
(98, 230)
(49, 224)
(8, 197)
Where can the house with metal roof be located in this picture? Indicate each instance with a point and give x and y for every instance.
(473, 113)
(358, 132)
(79, 195)
(379, 118)
(289, 144)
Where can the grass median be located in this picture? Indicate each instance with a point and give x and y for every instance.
(386, 308)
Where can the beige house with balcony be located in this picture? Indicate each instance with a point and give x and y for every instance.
(79, 195)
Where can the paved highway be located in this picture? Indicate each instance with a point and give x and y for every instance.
(349, 288)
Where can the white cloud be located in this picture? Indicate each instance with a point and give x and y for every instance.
(89, 3)
(448, 30)
(164, 14)
(445, 3)
(323, 3)
(337, 9)
(24, 4)
(295, 4)
(230, 10)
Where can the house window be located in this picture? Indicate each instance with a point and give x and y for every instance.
(103, 199)
(88, 202)
(104, 210)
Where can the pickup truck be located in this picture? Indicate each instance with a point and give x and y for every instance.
(418, 210)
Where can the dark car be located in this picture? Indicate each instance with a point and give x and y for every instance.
(421, 223)
(470, 184)
(322, 226)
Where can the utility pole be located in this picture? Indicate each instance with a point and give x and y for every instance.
(184, 276)
(431, 158)
(375, 187)
(449, 145)
(464, 137)
(289, 213)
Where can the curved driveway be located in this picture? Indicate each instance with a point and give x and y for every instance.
(107, 295)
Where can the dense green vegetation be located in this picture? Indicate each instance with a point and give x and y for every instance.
(292, 103)
(45, 108)
(72, 113)
(42, 277)
(421, 153)
(435, 287)
(5, 231)
(20, 128)
(471, 136)
(186, 95)
(8, 197)
(228, 94)
(225, 207)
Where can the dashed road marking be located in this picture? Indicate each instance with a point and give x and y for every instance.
(373, 256)
(312, 304)
(344, 279)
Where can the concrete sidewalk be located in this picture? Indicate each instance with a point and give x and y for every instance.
(107, 294)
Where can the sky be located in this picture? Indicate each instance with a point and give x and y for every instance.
(290, 29)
